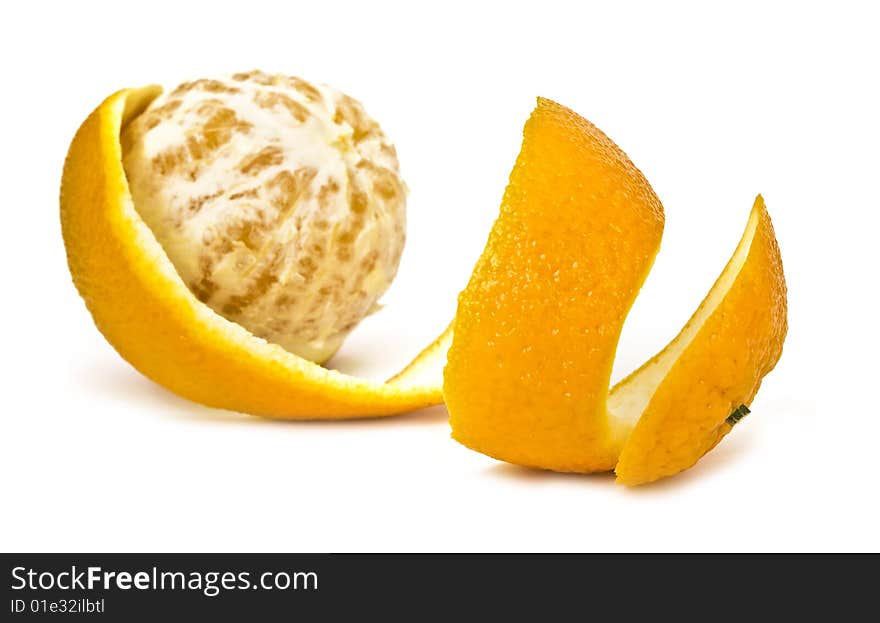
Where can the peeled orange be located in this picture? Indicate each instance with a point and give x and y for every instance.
(146, 311)
(279, 203)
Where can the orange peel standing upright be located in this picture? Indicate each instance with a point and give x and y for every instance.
(538, 324)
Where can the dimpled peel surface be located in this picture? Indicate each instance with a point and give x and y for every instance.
(714, 365)
(537, 326)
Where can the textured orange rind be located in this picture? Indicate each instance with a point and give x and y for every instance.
(681, 400)
(538, 324)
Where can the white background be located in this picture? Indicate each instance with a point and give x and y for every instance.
(714, 105)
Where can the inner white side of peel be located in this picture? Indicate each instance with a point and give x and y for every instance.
(629, 399)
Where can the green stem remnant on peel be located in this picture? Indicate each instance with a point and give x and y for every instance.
(739, 413)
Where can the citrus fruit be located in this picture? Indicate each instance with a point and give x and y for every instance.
(279, 202)
(149, 314)
(528, 372)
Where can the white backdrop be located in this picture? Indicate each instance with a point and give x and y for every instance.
(714, 105)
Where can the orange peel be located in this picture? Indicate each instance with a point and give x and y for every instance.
(156, 323)
(681, 400)
(530, 351)
(538, 324)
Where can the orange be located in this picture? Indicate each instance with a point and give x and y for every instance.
(531, 348)
(155, 322)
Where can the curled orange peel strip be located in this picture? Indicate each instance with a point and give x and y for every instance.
(537, 327)
(531, 348)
